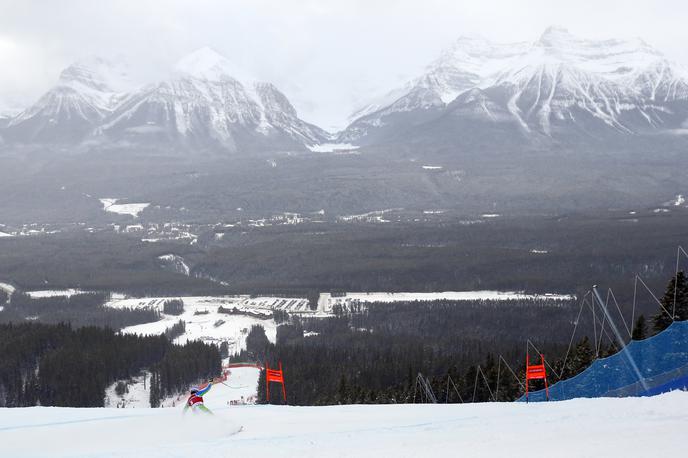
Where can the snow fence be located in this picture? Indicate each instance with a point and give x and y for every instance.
(661, 361)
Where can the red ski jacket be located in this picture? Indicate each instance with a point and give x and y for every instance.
(193, 400)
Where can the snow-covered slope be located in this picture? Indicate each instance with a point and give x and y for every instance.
(465, 64)
(208, 102)
(240, 388)
(583, 427)
(86, 92)
(557, 84)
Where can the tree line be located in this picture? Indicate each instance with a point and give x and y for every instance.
(86, 309)
(59, 365)
(182, 366)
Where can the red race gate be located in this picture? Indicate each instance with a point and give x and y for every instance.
(536, 372)
(277, 376)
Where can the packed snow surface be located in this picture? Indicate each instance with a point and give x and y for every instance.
(607, 428)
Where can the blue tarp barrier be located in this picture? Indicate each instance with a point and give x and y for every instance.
(662, 361)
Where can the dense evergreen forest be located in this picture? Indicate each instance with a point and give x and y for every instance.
(58, 365)
(374, 354)
(78, 310)
(565, 253)
(546, 253)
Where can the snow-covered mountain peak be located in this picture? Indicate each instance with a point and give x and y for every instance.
(476, 55)
(558, 81)
(86, 92)
(206, 102)
(99, 74)
(555, 36)
(209, 102)
(207, 64)
(612, 57)
(466, 63)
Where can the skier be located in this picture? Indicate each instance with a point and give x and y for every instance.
(195, 401)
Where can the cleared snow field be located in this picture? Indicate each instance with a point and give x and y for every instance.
(55, 293)
(210, 327)
(111, 205)
(607, 428)
(326, 301)
(332, 147)
(7, 288)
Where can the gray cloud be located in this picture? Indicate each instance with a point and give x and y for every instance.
(327, 56)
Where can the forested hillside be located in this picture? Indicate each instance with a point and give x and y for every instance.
(373, 353)
(57, 365)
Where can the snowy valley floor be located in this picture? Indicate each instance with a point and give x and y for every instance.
(627, 427)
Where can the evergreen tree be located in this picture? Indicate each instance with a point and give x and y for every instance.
(681, 297)
(581, 357)
(639, 329)
(257, 342)
(154, 390)
(262, 399)
(173, 307)
(611, 349)
(224, 349)
(342, 391)
(676, 290)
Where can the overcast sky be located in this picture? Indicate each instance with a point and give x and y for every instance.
(327, 56)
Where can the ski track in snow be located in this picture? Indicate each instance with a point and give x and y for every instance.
(582, 427)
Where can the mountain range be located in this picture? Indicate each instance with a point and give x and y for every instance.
(559, 85)
(557, 125)
(202, 104)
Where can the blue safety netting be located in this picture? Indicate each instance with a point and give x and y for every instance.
(661, 362)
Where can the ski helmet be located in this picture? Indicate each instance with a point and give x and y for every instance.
(194, 390)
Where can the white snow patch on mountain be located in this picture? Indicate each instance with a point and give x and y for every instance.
(207, 64)
(332, 147)
(176, 262)
(7, 288)
(134, 209)
(87, 89)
